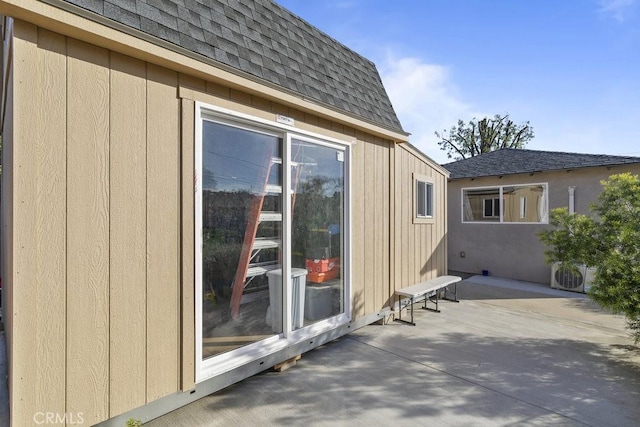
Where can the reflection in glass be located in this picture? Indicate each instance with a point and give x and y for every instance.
(518, 203)
(482, 205)
(317, 176)
(526, 203)
(241, 236)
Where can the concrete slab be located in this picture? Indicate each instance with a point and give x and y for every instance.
(510, 353)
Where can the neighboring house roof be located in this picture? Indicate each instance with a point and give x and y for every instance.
(509, 161)
(261, 39)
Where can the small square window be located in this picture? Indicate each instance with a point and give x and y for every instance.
(491, 208)
(423, 198)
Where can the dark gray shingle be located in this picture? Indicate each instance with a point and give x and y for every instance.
(198, 7)
(122, 15)
(508, 161)
(239, 32)
(96, 6)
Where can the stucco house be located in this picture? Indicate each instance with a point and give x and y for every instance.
(499, 201)
(193, 192)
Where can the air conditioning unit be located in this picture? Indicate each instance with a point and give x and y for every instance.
(576, 281)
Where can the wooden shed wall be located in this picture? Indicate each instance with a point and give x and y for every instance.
(371, 234)
(100, 224)
(420, 248)
(95, 215)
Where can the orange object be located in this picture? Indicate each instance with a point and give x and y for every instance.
(321, 270)
(322, 277)
(322, 265)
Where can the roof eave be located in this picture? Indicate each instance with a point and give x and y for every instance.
(531, 172)
(416, 151)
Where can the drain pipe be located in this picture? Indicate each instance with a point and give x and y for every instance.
(572, 202)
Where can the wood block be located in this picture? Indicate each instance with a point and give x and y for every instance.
(283, 366)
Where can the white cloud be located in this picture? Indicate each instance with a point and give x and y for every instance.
(620, 10)
(425, 99)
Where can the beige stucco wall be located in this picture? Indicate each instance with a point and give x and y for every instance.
(98, 226)
(513, 250)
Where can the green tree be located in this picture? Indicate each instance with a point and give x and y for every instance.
(482, 136)
(609, 241)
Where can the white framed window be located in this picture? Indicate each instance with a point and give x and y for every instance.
(514, 204)
(423, 189)
(491, 208)
(272, 212)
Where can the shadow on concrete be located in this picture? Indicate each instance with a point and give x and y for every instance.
(533, 356)
(596, 384)
(447, 379)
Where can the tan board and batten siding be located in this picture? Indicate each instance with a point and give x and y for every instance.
(420, 246)
(95, 167)
(99, 192)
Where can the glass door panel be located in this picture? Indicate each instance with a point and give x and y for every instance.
(241, 220)
(241, 237)
(317, 243)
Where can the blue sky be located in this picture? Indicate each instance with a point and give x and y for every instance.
(569, 67)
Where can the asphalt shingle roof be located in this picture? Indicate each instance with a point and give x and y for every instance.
(266, 41)
(509, 161)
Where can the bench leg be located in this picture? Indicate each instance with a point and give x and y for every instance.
(400, 319)
(428, 299)
(455, 293)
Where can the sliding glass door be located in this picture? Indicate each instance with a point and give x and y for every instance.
(241, 236)
(271, 240)
(317, 244)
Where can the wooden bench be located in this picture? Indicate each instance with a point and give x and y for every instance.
(429, 290)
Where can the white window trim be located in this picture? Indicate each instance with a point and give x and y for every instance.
(428, 219)
(501, 197)
(493, 207)
(227, 116)
(225, 362)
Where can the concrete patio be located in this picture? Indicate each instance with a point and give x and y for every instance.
(510, 353)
